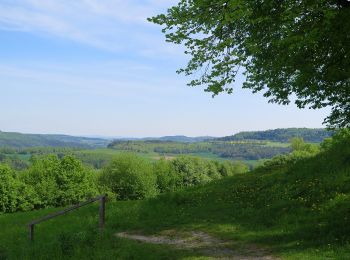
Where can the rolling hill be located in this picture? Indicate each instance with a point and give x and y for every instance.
(281, 135)
(19, 140)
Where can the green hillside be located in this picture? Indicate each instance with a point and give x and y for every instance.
(293, 208)
(282, 135)
(19, 140)
(178, 138)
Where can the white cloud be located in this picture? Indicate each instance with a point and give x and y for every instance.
(113, 25)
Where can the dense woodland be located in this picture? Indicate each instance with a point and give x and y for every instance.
(282, 135)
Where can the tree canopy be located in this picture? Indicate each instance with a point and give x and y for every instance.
(289, 50)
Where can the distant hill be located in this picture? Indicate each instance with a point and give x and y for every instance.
(281, 135)
(18, 140)
(179, 138)
(171, 138)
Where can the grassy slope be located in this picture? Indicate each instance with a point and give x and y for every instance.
(300, 212)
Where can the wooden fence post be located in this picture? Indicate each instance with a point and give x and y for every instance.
(102, 212)
(31, 232)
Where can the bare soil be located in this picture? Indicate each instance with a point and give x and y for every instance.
(204, 243)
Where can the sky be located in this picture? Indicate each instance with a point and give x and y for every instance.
(92, 67)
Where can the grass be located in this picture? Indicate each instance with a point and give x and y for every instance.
(299, 211)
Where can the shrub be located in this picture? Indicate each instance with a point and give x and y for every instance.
(129, 177)
(41, 177)
(187, 171)
(227, 168)
(13, 193)
(74, 182)
(191, 171)
(59, 182)
(167, 178)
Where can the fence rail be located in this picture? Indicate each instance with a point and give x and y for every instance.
(102, 209)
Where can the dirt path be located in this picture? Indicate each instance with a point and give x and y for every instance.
(203, 243)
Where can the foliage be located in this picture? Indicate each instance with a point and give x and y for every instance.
(341, 138)
(192, 171)
(167, 179)
(13, 193)
(298, 145)
(41, 176)
(60, 182)
(51, 181)
(300, 152)
(300, 211)
(129, 177)
(282, 135)
(229, 169)
(284, 48)
(247, 151)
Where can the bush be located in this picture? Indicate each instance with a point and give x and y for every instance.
(191, 171)
(13, 193)
(167, 178)
(129, 177)
(187, 171)
(231, 168)
(75, 182)
(41, 177)
(59, 182)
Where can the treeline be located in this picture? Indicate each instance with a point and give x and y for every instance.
(237, 150)
(20, 158)
(159, 146)
(248, 151)
(51, 181)
(282, 135)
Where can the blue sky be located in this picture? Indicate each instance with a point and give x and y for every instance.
(92, 67)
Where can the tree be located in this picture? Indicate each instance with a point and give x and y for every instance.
(297, 143)
(59, 182)
(129, 177)
(298, 49)
(13, 193)
(166, 176)
(191, 171)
